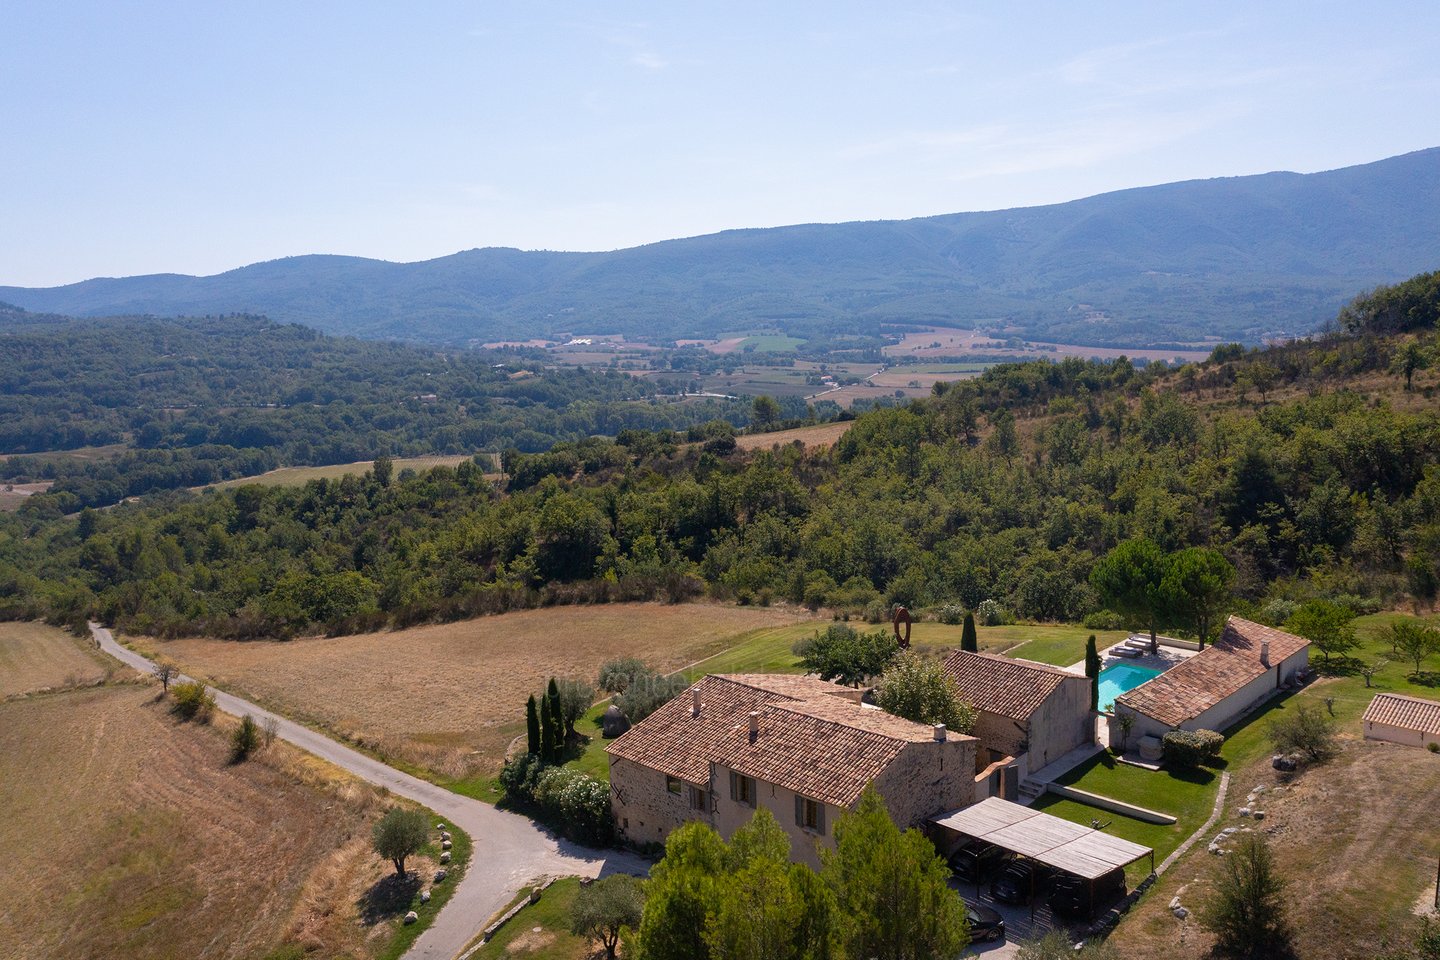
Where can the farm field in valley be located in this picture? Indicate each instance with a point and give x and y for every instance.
(820, 435)
(34, 656)
(950, 341)
(127, 834)
(14, 495)
(299, 476)
(450, 697)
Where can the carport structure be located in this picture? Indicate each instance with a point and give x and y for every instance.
(1083, 851)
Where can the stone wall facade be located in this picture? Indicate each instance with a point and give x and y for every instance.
(645, 808)
(926, 779)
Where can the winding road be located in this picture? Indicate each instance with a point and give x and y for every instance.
(509, 850)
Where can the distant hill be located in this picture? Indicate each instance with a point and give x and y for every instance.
(1236, 258)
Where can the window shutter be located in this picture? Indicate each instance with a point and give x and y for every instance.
(799, 811)
(734, 786)
(820, 817)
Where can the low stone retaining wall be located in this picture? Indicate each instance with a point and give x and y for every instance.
(509, 915)
(1111, 804)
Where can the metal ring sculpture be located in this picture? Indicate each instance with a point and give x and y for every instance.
(902, 616)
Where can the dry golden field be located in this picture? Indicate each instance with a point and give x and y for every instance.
(820, 435)
(1351, 838)
(127, 834)
(451, 697)
(34, 656)
(299, 476)
(14, 495)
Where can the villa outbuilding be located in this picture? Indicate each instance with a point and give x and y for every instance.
(1400, 719)
(1217, 686)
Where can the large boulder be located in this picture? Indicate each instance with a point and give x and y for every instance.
(613, 722)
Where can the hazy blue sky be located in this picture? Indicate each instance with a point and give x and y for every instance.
(197, 137)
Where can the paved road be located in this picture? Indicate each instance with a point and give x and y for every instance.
(509, 850)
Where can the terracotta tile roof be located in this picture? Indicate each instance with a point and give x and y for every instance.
(814, 757)
(1195, 685)
(1003, 685)
(814, 738)
(1398, 710)
(790, 686)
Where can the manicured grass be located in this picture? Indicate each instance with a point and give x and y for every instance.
(768, 650)
(1186, 795)
(554, 941)
(440, 893)
(591, 758)
(1060, 645)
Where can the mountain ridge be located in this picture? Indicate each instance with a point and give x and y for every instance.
(1246, 257)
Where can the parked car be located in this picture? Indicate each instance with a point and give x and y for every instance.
(1072, 896)
(977, 861)
(1018, 881)
(985, 923)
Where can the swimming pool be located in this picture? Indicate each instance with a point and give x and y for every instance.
(1120, 677)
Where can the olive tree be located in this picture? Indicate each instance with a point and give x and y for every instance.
(605, 908)
(399, 834)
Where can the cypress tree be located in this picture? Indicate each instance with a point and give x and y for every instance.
(547, 732)
(968, 640)
(1092, 670)
(557, 719)
(532, 726)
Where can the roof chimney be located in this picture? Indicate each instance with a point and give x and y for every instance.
(754, 725)
(940, 732)
(1265, 652)
(695, 700)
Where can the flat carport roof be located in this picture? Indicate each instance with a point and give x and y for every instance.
(1083, 851)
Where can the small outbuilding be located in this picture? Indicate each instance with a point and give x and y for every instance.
(1400, 719)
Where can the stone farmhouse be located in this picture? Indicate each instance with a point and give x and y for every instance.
(1217, 686)
(1031, 712)
(802, 748)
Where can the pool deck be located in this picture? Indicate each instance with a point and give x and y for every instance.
(1162, 661)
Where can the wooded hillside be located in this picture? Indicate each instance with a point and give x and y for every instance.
(1311, 467)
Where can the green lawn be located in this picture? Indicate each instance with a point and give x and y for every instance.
(768, 650)
(552, 915)
(1060, 645)
(1188, 796)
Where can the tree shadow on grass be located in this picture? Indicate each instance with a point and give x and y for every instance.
(1425, 678)
(388, 897)
(1339, 666)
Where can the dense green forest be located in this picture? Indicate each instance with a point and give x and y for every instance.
(1313, 467)
(203, 400)
(1243, 258)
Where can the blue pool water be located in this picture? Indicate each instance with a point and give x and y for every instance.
(1116, 679)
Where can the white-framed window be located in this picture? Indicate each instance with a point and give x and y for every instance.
(809, 814)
